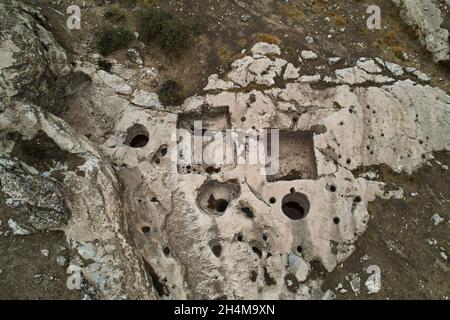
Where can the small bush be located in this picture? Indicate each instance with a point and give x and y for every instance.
(171, 93)
(114, 14)
(110, 39)
(173, 36)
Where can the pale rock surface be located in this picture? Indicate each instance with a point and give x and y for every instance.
(145, 226)
(291, 72)
(146, 99)
(263, 48)
(114, 82)
(394, 68)
(427, 17)
(308, 55)
(166, 199)
(368, 65)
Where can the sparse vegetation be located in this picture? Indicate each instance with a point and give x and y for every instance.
(390, 39)
(114, 14)
(293, 12)
(226, 54)
(291, 51)
(110, 39)
(172, 35)
(242, 42)
(171, 93)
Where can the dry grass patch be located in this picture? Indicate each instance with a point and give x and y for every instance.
(266, 37)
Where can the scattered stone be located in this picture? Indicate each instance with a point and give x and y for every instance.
(135, 56)
(364, 258)
(215, 83)
(368, 65)
(146, 99)
(263, 48)
(328, 295)
(291, 72)
(355, 282)
(437, 219)
(312, 79)
(17, 230)
(45, 252)
(114, 82)
(61, 260)
(333, 60)
(421, 76)
(308, 55)
(340, 289)
(309, 40)
(405, 56)
(394, 68)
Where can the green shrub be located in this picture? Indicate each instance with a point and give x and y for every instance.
(171, 93)
(114, 14)
(173, 36)
(110, 39)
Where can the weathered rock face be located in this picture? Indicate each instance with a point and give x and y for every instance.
(53, 178)
(210, 231)
(426, 17)
(206, 229)
(31, 59)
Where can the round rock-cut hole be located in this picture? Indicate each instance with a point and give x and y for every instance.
(295, 205)
(139, 141)
(145, 229)
(166, 251)
(137, 136)
(214, 197)
(219, 205)
(216, 248)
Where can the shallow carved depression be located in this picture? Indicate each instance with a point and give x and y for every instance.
(214, 196)
(137, 136)
(295, 205)
(296, 156)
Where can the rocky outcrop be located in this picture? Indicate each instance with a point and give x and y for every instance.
(426, 17)
(147, 223)
(227, 230)
(32, 61)
(53, 178)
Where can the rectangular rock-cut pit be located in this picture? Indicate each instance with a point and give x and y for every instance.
(296, 156)
(215, 120)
